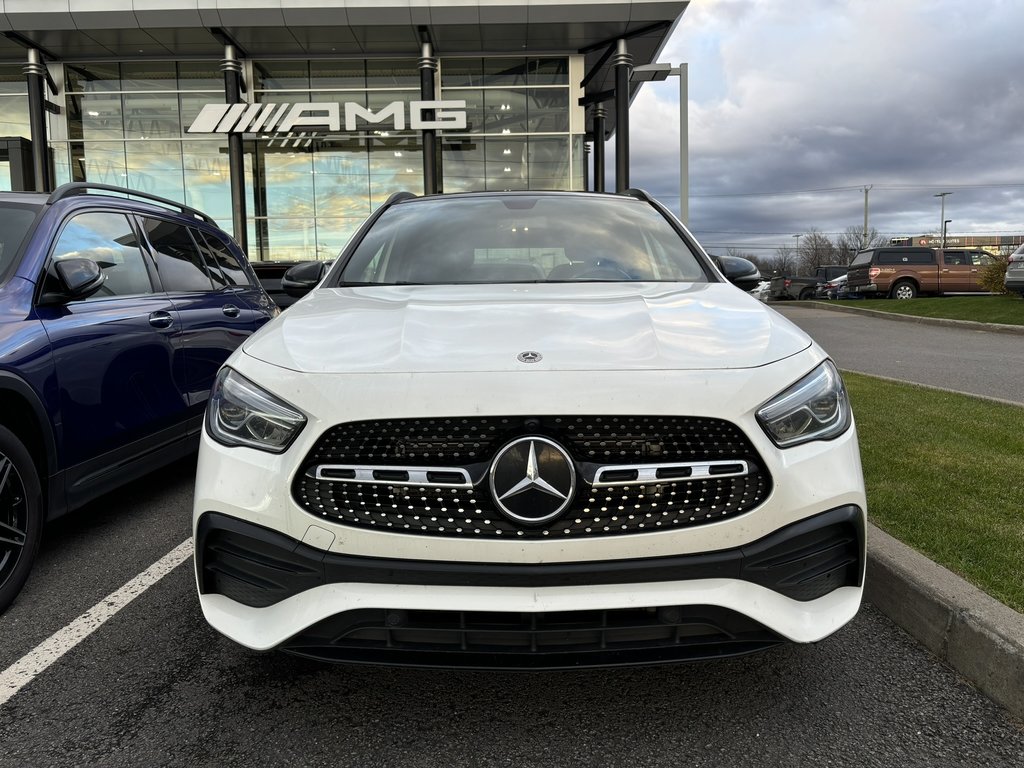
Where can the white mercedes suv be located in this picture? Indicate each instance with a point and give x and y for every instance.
(527, 430)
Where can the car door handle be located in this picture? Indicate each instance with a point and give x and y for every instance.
(230, 310)
(160, 319)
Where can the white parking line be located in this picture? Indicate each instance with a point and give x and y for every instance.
(36, 661)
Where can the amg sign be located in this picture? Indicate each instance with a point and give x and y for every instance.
(330, 117)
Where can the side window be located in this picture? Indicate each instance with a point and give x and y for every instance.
(980, 258)
(109, 240)
(955, 257)
(218, 254)
(178, 260)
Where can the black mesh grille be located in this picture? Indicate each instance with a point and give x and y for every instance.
(459, 441)
(538, 641)
(591, 441)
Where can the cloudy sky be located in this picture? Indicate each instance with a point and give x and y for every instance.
(796, 105)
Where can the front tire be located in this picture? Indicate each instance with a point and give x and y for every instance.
(21, 516)
(904, 289)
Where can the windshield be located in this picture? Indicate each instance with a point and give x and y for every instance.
(15, 222)
(521, 238)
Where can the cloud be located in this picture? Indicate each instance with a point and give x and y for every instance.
(912, 97)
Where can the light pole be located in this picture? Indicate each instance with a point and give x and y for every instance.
(797, 250)
(944, 223)
(942, 215)
(657, 72)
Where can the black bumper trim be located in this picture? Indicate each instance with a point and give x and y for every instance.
(259, 567)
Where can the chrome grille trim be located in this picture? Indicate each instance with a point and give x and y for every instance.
(368, 474)
(647, 474)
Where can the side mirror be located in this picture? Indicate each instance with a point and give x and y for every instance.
(299, 280)
(742, 273)
(75, 279)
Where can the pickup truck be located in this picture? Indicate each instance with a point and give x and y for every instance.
(907, 272)
(803, 287)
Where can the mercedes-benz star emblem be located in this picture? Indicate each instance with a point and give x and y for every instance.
(532, 480)
(529, 357)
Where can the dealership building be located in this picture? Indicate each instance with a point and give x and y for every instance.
(289, 121)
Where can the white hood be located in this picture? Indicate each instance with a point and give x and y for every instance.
(574, 326)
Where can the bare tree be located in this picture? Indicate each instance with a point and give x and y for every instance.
(851, 239)
(783, 262)
(815, 250)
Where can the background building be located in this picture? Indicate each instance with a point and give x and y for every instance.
(111, 87)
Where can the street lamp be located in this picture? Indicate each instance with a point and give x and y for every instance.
(944, 223)
(942, 215)
(656, 72)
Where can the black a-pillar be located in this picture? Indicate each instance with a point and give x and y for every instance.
(35, 72)
(428, 69)
(623, 63)
(232, 69)
(599, 141)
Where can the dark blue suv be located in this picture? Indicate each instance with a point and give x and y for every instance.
(115, 315)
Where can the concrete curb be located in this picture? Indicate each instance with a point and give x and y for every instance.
(978, 636)
(968, 324)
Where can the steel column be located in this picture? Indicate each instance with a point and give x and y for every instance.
(428, 69)
(232, 69)
(35, 73)
(623, 63)
(599, 141)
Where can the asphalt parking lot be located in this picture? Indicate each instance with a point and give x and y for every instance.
(153, 684)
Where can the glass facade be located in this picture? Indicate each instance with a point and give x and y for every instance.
(125, 123)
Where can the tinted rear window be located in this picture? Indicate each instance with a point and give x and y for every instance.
(527, 238)
(905, 257)
(15, 223)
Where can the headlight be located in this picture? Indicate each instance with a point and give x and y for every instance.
(815, 408)
(240, 413)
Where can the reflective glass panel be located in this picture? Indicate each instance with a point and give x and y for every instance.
(548, 110)
(511, 71)
(207, 178)
(178, 261)
(93, 77)
(95, 117)
(12, 79)
(337, 74)
(14, 116)
(200, 76)
(389, 73)
(155, 167)
(107, 239)
(102, 162)
(281, 74)
(151, 116)
(505, 111)
(553, 71)
(457, 73)
(148, 76)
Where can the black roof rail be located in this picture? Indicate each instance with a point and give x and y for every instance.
(82, 187)
(639, 194)
(397, 197)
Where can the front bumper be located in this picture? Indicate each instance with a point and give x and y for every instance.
(266, 590)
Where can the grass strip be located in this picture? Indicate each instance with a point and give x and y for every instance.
(945, 474)
(1007, 309)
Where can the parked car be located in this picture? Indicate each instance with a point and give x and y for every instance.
(906, 272)
(115, 316)
(803, 287)
(527, 429)
(761, 292)
(271, 274)
(1015, 272)
(833, 289)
